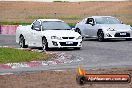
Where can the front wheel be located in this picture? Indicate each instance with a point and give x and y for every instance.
(100, 36)
(22, 42)
(44, 44)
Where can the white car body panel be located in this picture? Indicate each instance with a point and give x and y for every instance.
(88, 30)
(34, 38)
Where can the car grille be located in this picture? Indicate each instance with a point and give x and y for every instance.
(64, 44)
(68, 37)
(118, 35)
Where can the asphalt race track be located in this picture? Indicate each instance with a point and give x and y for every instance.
(108, 54)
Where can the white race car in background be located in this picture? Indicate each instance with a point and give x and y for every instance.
(48, 33)
(103, 27)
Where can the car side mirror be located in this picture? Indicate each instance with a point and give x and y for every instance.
(37, 29)
(91, 23)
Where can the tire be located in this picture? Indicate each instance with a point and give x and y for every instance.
(100, 36)
(78, 30)
(128, 39)
(22, 42)
(44, 44)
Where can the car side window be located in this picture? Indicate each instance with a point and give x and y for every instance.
(36, 24)
(89, 21)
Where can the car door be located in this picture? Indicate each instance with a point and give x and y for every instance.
(36, 30)
(84, 29)
(91, 27)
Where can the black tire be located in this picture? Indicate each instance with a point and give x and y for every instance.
(100, 36)
(78, 30)
(22, 42)
(44, 44)
(128, 39)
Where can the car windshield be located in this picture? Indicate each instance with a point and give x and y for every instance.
(107, 20)
(55, 25)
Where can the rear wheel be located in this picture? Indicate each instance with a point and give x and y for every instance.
(100, 36)
(44, 44)
(22, 42)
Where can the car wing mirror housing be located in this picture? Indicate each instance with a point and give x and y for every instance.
(91, 23)
(37, 29)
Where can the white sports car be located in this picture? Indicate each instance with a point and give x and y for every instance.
(48, 33)
(103, 27)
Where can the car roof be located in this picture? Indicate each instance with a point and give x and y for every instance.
(50, 20)
(99, 16)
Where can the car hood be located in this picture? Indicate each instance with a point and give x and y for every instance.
(115, 26)
(61, 33)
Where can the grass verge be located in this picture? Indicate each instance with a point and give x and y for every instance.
(14, 23)
(57, 17)
(10, 55)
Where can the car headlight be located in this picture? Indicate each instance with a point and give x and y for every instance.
(110, 29)
(55, 37)
(80, 37)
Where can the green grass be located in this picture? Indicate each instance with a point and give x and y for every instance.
(71, 24)
(39, 17)
(52, 17)
(14, 23)
(10, 55)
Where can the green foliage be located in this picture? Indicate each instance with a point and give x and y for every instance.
(71, 24)
(68, 17)
(10, 55)
(39, 17)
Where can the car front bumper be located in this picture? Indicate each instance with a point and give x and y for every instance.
(118, 34)
(65, 43)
